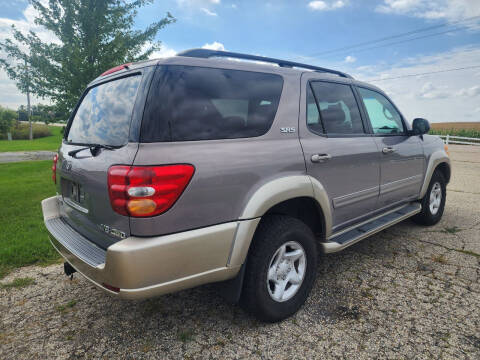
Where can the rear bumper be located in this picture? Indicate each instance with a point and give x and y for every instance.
(146, 267)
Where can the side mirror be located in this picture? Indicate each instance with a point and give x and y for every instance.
(420, 126)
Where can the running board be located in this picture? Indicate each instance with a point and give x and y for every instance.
(345, 238)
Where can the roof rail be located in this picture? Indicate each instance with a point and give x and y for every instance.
(205, 53)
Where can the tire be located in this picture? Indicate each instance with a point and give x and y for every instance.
(427, 216)
(274, 233)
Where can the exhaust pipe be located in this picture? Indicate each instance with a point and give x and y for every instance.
(69, 270)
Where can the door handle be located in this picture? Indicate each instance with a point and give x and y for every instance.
(388, 150)
(320, 157)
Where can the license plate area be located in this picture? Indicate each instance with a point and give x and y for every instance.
(74, 195)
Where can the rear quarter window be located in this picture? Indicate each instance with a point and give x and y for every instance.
(104, 115)
(195, 103)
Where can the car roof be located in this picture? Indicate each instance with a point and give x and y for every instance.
(238, 61)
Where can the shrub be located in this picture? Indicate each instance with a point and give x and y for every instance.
(22, 131)
(7, 117)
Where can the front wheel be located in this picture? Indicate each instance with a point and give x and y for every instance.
(281, 268)
(433, 203)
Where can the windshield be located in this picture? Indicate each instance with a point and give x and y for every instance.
(105, 113)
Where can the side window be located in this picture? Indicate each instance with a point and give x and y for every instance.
(313, 116)
(338, 108)
(188, 103)
(384, 118)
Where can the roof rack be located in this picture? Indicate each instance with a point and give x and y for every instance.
(205, 53)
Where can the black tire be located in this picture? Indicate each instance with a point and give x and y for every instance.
(425, 217)
(273, 232)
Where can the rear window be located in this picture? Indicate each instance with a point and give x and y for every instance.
(105, 112)
(196, 103)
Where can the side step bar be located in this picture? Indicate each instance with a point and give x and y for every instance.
(344, 239)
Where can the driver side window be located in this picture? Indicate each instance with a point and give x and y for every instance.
(383, 116)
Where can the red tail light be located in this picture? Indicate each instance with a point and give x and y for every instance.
(54, 168)
(143, 191)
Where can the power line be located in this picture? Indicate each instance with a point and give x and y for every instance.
(427, 73)
(399, 42)
(394, 36)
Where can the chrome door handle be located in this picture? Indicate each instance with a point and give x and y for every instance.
(388, 150)
(320, 157)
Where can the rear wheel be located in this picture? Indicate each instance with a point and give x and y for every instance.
(433, 203)
(281, 268)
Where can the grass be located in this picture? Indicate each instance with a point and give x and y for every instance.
(64, 307)
(439, 259)
(451, 230)
(18, 283)
(46, 143)
(186, 335)
(468, 252)
(24, 239)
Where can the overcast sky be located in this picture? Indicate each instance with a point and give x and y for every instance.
(308, 31)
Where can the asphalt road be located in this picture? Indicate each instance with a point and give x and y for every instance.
(409, 292)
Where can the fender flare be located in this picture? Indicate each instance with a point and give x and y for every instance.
(269, 195)
(437, 157)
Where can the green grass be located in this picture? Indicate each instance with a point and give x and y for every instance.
(47, 143)
(23, 237)
(18, 283)
(64, 307)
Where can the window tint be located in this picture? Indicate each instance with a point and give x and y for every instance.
(338, 108)
(383, 116)
(313, 116)
(105, 113)
(195, 103)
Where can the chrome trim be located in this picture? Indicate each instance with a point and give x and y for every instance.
(399, 184)
(317, 158)
(352, 198)
(75, 205)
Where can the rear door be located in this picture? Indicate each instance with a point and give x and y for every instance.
(104, 116)
(338, 150)
(401, 156)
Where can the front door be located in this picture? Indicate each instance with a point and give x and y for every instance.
(338, 151)
(402, 159)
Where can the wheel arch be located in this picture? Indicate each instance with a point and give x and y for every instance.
(438, 160)
(292, 195)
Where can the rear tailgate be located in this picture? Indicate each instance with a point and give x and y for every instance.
(105, 116)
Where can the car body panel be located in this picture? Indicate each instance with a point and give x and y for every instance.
(402, 170)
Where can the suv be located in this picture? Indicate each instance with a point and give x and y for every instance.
(196, 169)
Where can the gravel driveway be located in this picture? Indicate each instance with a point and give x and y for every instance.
(408, 292)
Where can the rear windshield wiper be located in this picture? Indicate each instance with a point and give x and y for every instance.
(94, 149)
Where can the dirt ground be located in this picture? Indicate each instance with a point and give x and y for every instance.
(409, 292)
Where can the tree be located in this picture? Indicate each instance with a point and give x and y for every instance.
(7, 117)
(92, 36)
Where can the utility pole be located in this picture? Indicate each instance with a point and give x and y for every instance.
(28, 101)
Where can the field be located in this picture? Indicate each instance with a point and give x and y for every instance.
(46, 143)
(24, 239)
(466, 129)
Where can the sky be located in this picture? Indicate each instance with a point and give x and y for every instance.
(340, 34)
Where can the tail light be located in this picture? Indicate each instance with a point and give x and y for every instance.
(143, 191)
(116, 68)
(54, 168)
